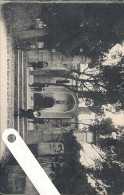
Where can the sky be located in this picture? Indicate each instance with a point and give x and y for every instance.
(114, 55)
(117, 118)
(89, 154)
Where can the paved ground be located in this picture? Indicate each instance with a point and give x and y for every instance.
(13, 86)
(6, 82)
(23, 94)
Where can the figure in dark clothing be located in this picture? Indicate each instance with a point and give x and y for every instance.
(39, 64)
(38, 86)
(25, 113)
(38, 120)
(30, 114)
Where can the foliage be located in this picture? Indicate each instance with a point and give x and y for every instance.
(73, 28)
(104, 85)
(20, 16)
(112, 173)
(114, 146)
(90, 26)
(69, 175)
(91, 30)
(112, 177)
(105, 127)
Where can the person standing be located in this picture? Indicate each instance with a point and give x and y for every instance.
(39, 64)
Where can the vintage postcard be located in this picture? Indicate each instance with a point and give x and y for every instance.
(61, 89)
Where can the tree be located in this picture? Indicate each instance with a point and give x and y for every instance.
(102, 84)
(112, 172)
(90, 30)
(106, 127)
(111, 176)
(93, 27)
(69, 175)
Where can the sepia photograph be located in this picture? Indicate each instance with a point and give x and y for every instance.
(62, 90)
